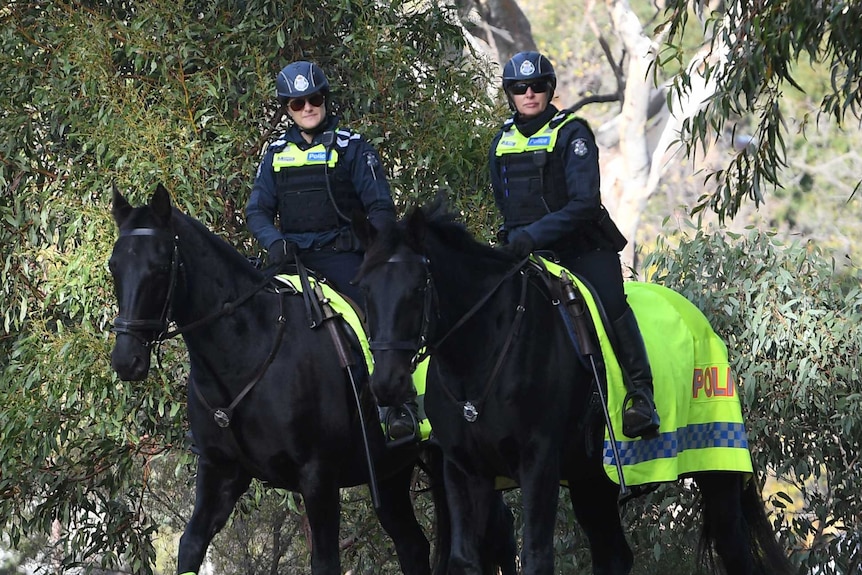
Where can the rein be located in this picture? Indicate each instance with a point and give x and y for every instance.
(470, 411)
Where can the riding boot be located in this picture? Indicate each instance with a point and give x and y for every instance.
(401, 424)
(640, 418)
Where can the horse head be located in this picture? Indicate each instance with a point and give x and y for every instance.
(396, 285)
(144, 268)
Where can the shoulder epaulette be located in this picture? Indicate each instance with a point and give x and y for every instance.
(564, 116)
(343, 137)
(278, 144)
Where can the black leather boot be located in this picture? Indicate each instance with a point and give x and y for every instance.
(640, 418)
(401, 424)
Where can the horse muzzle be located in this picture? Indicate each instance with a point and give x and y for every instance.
(392, 379)
(130, 358)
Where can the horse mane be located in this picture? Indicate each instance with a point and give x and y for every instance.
(434, 222)
(217, 243)
(444, 226)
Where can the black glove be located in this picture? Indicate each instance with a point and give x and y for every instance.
(280, 252)
(520, 246)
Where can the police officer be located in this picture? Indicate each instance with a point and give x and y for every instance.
(314, 177)
(544, 167)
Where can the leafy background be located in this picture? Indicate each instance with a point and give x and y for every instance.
(93, 471)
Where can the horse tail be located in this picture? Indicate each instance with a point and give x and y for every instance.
(753, 532)
(769, 557)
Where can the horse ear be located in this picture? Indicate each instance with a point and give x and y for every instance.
(365, 232)
(160, 203)
(417, 224)
(120, 208)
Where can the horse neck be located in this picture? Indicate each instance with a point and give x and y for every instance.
(211, 275)
(462, 280)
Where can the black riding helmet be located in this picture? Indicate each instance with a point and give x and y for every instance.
(527, 66)
(299, 79)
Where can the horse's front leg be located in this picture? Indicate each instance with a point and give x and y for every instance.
(594, 500)
(320, 493)
(399, 521)
(540, 493)
(217, 489)
(471, 500)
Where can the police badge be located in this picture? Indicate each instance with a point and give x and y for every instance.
(579, 147)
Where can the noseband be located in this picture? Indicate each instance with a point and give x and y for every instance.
(417, 346)
(134, 327)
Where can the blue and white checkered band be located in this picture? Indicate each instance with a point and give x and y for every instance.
(300, 83)
(579, 147)
(527, 68)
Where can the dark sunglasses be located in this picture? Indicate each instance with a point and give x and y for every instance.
(537, 86)
(298, 104)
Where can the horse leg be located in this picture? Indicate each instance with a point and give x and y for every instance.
(499, 548)
(217, 489)
(470, 501)
(322, 504)
(540, 493)
(724, 526)
(399, 521)
(594, 501)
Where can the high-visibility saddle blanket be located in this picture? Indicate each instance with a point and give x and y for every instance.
(343, 308)
(695, 392)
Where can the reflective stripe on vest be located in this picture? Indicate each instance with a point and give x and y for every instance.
(514, 142)
(292, 157)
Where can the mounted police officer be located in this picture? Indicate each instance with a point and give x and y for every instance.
(313, 178)
(544, 166)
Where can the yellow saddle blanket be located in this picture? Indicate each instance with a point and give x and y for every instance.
(696, 395)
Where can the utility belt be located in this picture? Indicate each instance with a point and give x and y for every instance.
(345, 241)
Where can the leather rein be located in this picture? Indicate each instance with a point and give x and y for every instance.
(470, 409)
(134, 327)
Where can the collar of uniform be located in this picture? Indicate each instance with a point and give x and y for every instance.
(533, 125)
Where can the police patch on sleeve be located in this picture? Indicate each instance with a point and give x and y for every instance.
(579, 147)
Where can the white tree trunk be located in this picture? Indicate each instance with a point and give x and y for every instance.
(634, 176)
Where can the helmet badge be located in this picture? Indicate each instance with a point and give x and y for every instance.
(527, 68)
(300, 83)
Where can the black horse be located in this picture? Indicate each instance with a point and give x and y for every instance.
(267, 395)
(508, 396)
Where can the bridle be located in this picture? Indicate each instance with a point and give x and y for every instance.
(135, 327)
(418, 344)
(160, 326)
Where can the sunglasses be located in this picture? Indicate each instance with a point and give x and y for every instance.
(537, 86)
(298, 104)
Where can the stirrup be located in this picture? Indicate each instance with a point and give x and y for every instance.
(391, 415)
(647, 427)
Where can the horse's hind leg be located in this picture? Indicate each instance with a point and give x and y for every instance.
(499, 548)
(594, 500)
(217, 489)
(399, 521)
(724, 526)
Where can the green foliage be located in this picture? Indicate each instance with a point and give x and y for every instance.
(96, 93)
(765, 42)
(791, 321)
